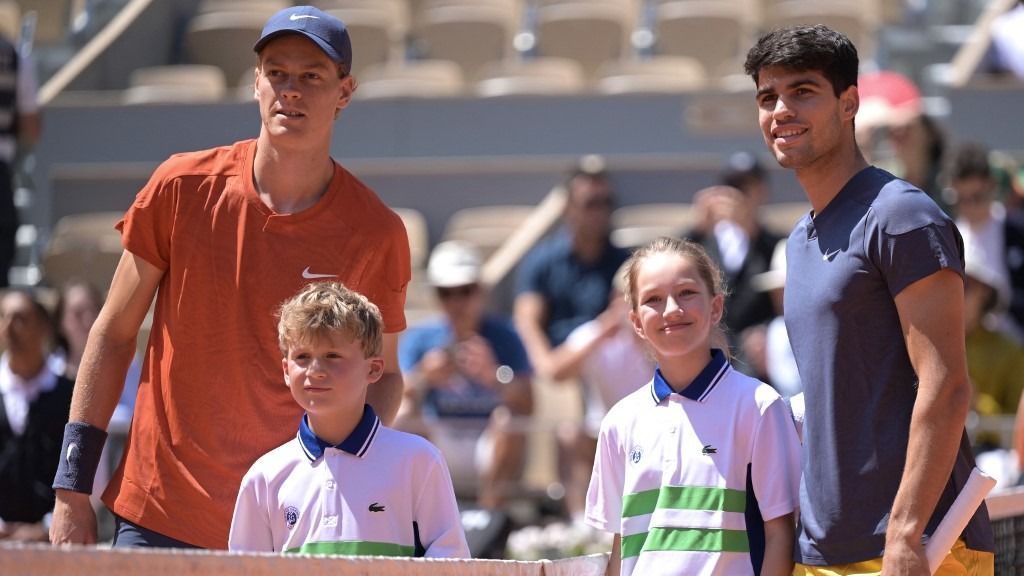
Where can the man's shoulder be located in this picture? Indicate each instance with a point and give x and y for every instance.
(364, 206)
(898, 206)
(553, 248)
(220, 160)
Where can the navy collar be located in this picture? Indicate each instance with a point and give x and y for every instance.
(357, 443)
(702, 385)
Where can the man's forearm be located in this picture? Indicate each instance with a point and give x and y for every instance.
(100, 380)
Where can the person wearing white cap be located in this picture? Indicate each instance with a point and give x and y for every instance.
(468, 379)
(220, 238)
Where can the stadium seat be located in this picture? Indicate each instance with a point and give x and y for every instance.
(225, 40)
(780, 217)
(589, 32)
(377, 28)
(262, 6)
(10, 19)
(847, 16)
(541, 76)
(638, 224)
(180, 83)
(659, 74)
(84, 246)
(485, 227)
(412, 79)
(471, 34)
(52, 19)
(713, 32)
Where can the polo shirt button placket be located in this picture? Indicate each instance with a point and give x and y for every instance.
(328, 500)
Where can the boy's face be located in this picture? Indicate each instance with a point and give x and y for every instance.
(801, 118)
(329, 372)
(298, 89)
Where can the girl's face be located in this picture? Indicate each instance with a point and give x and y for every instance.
(675, 310)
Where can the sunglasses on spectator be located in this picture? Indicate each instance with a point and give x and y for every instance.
(457, 291)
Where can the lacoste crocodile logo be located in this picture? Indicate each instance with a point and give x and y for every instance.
(375, 507)
(708, 450)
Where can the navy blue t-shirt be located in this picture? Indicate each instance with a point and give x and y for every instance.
(575, 292)
(464, 398)
(844, 268)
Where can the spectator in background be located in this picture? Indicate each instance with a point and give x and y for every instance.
(895, 134)
(728, 228)
(609, 359)
(219, 238)
(1006, 53)
(778, 362)
(995, 237)
(995, 362)
(35, 407)
(469, 380)
(567, 279)
(19, 127)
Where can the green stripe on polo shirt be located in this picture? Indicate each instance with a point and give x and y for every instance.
(353, 548)
(684, 498)
(685, 540)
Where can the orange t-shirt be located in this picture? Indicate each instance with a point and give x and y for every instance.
(212, 398)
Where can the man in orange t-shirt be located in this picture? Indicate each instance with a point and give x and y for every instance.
(221, 237)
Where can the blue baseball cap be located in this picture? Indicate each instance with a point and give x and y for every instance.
(328, 32)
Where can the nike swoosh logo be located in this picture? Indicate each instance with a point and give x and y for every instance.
(72, 452)
(294, 17)
(311, 276)
(828, 256)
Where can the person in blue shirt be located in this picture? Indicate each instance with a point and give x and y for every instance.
(564, 282)
(469, 381)
(874, 307)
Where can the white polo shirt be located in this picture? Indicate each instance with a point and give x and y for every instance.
(380, 492)
(671, 471)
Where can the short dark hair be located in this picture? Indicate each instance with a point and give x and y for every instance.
(802, 48)
(587, 174)
(970, 161)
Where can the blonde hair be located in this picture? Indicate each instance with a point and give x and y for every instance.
(321, 308)
(709, 272)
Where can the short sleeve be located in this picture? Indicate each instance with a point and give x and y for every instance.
(528, 276)
(149, 222)
(607, 481)
(250, 525)
(395, 275)
(926, 242)
(437, 514)
(775, 461)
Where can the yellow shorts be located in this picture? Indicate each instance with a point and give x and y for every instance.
(961, 561)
